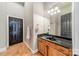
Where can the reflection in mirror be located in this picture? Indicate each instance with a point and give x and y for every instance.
(60, 23)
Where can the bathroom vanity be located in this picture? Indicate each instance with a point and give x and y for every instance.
(54, 47)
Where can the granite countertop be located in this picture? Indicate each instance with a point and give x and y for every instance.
(64, 43)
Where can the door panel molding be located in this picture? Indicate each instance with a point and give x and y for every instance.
(7, 17)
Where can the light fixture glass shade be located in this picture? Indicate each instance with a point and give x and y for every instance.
(48, 12)
(56, 8)
(58, 11)
(52, 10)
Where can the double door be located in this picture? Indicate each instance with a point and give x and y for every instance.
(15, 30)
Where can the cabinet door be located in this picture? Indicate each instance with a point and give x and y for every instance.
(42, 48)
(66, 51)
(54, 52)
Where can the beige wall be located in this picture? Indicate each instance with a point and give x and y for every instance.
(15, 9)
(43, 24)
(75, 28)
(38, 8)
(28, 22)
(3, 26)
(40, 19)
(8, 9)
(34, 14)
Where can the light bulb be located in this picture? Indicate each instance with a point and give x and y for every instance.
(56, 8)
(58, 11)
(48, 12)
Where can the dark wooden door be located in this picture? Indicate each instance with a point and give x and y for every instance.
(15, 30)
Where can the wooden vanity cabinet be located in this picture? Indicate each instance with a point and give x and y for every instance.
(54, 52)
(42, 47)
(51, 49)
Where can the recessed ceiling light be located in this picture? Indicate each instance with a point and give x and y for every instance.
(56, 8)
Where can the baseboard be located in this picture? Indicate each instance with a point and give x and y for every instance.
(33, 51)
(76, 52)
(3, 49)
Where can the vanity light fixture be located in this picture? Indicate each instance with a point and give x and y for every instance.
(54, 11)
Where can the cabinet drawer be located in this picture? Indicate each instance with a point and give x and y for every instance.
(42, 40)
(63, 50)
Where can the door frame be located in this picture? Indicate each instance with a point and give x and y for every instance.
(8, 27)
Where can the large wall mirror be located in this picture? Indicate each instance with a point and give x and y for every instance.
(61, 23)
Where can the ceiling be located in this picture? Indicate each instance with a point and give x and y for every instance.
(49, 5)
(20, 3)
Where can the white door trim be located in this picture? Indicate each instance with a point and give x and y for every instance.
(8, 27)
